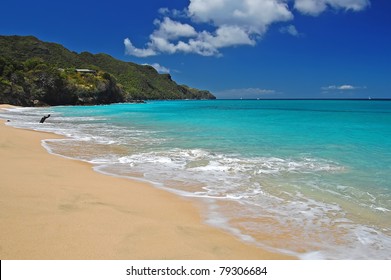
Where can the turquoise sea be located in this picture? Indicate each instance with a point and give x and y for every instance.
(311, 178)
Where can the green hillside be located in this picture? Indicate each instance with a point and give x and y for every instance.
(33, 72)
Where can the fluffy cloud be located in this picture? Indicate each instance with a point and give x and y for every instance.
(315, 7)
(161, 69)
(341, 88)
(172, 30)
(231, 23)
(290, 29)
(132, 50)
(166, 40)
(252, 16)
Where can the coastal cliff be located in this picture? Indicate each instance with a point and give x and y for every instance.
(37, 73)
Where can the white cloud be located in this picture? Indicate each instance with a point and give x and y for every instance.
(166, 40)
(346, 87)
(132, 50)
(170, 29)
(228, 35)
(315, 7)
(231, 23)
(290, 29)
(312, 7)
(341, 88)
(161, 69)
(173, 13)
(164, 11)
(252, 16)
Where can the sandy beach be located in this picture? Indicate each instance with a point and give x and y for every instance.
(56, 208)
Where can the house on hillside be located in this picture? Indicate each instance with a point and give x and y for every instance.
(85, 71)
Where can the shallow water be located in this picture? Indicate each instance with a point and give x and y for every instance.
(312, 176)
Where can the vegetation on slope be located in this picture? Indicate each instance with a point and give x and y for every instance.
(35, 83)
(35, 73)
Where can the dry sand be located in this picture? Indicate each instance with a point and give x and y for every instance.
(56, 208)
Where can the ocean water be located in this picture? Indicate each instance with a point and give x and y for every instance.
(309, 178)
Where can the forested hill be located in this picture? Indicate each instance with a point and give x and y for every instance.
(36, 73)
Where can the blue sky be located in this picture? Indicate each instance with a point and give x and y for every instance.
(249, 48)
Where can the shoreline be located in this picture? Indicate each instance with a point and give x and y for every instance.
(58, 208)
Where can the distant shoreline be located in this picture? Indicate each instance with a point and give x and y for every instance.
(312, 99)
